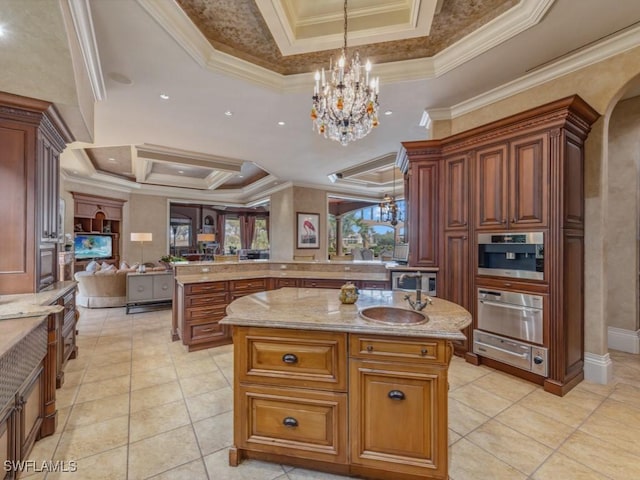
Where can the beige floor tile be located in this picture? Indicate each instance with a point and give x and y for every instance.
(602, 457)
(73, 378)
(148, 378)
(215, 433)
(110, 358)
(302, 474)
(218, 468)
(622, 412)
(190, 471)
(159, 419)
(627, 394)
(152, 362)
(98, 410)
(453, 437)
(464, 373)
(66, 395)
(63, 415)
(555, 407)
(156, 395)
(510, 446)
(624, 435)
(109, 465)
(103, 388)
(598, 388)
(480, 399)
(625, 374)
(223, 350)
(505, 386)
(544, 429)
(146, 351)
(210, 404)
(202, 366)
(560, 467)
(199, 384)
(469, 462)
(584, 398)
(87, 440)
(43, 450)
(78, 364)
(463, 419)
(95, 373)
(162, 452)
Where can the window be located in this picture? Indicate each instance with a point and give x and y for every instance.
(260, 235)
(231, 235)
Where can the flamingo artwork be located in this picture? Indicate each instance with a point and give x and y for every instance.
(308, 232)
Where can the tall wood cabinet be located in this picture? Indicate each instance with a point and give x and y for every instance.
(523, 173)
(32, 136)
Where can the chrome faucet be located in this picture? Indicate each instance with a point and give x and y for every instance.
(418, 304)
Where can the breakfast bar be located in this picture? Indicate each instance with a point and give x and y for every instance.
(320, 384)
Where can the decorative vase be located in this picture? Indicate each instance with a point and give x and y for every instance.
(348, 293)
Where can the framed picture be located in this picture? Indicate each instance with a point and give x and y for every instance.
(308, 230)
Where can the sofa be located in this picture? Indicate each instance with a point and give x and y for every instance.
(105, 288)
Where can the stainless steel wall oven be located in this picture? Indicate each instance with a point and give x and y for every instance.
(511, 329)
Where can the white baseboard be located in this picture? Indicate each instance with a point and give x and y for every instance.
(623, 340)
(598, 368)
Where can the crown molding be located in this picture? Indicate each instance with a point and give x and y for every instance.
(83, 26)
(177, 24)
(593, 54)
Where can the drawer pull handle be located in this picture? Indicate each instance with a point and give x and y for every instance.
(289, 358)
(369, 348)
(396, 395)
(424, 352)
(207, 329)
(290, 422)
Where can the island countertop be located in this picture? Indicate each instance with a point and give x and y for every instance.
(320, 309)
(22, 305)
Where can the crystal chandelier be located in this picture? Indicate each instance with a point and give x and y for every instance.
(389, 210)
(345, 101)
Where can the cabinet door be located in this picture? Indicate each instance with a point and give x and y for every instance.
(423, 214)
(7, 441)
(529, 181)
(456, 192)
(396, 412)
(47, 171)
(139, 288)
(491, 187)
(457, 274)
(162, 286)
(31, 414)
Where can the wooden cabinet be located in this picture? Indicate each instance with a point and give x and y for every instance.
(246, 286)
(200, 306)
(522, 173)
(94, 214)
(283, 282)
(512, 184)
(292, 395)
(32, 136)
(149, 290)
(66, 348)
(7, 439)
(374, 285)
(422, 218)
(321, 283)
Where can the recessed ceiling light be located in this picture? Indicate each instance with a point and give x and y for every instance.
(388, 112)
(111, 159)
(281, 123)
(2, 31)
(228, 113)
(180, 172)
(75, 172)
(164, 96)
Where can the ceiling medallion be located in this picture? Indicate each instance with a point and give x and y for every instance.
(345, 108)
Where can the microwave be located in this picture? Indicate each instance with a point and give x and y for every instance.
(407, 281)
(511, 254)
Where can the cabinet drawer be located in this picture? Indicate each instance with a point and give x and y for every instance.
(299, 423)
(252, 284)
(206, 300)
(374, 285)
(284, 282)
(205, 331)
(322, 283)
(210, 287)
(292, 358)
(199, 314)
(398, 348)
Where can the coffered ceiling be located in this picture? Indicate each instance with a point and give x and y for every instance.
(209, 99)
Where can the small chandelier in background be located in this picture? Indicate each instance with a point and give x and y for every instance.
(389, 210)
(345, 105)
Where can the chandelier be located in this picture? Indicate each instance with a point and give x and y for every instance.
(389, 210)
(345, 101)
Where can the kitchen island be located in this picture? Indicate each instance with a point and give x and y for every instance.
(318, 386)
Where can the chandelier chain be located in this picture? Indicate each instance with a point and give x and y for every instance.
(344, 49)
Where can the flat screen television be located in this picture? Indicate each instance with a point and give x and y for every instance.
(93, 245)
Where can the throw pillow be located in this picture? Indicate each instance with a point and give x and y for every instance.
(92, 266)
(107, 267)
(124, 265)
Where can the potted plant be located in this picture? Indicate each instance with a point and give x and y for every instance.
(167, 260)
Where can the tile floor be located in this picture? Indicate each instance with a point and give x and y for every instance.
(136, 405)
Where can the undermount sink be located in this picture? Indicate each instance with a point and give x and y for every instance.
(393, 315)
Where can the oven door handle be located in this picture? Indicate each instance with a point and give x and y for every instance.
(512, 307)
(509, 352)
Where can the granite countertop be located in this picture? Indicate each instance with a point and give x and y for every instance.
(222, 276)
(320, 309)
(14, 330)
(22, 305)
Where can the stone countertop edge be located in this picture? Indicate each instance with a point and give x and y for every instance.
(220, 277)
(320, 309)
(23, 305)
(15, 329)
